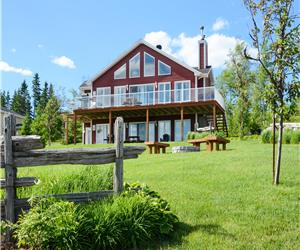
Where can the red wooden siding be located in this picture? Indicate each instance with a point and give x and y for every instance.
(178, 72)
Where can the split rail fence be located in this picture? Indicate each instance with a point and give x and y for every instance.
(26, 151)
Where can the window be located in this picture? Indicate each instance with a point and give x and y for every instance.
(120, 73)
(142, 94)
(164, 130)
(149, 65)
(103, 97)
(163, 69)
(182, 91)
(164, 94)
(134, 66)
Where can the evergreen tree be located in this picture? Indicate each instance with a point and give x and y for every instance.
(51, 91)
(16, 102)
(25, 99)
(36, 92)
(26, 125)
(7, 100)
(44, 96)
(3, 99)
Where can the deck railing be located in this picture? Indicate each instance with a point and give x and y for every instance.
(150, 98)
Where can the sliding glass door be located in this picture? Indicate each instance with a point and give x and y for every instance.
(103, 97)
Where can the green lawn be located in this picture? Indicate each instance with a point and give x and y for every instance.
(224, 200)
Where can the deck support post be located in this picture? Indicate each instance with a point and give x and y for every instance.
(214, 118)
(110, 127)
(196, 125)
(181, 124)
(147, 124)
(75, 127)
(67, 131)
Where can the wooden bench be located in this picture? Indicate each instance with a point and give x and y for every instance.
(209, 141)
(157, 146)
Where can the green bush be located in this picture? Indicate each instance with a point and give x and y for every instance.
(295, 138)
(50, 224)
(287, 135)
(133, 220)
(266, 136)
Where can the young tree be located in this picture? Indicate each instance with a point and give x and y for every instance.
(49, 124)
(36, 92)
(277, 40)
(235, 84)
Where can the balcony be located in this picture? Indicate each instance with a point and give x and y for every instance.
(150, 98)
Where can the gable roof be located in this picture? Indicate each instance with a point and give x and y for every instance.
(142, 41)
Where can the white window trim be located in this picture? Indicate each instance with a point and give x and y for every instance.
(145, 53)
(143, 84)
(131, 59)
(165, 65)
(116, 78)
(181, 97)
(159, 91)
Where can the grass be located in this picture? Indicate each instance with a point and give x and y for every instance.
(224, 200)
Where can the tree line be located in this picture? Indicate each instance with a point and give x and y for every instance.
(42, 110)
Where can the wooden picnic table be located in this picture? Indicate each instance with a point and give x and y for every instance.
(157, 146)
(209, 141)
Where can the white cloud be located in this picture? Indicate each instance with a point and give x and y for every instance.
(64, 61)
(219, 24)
(160, 37)
(40, 46)
(13, 50)
(185, 48)
(4, 66)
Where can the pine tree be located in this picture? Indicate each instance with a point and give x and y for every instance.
(26, 125)
(44, 96)
(25, 99)
(36, 92)
(51, 91)
(16, 102)
(7, 100)
(3, 99)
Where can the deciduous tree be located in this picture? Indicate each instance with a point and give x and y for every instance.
(276, 36)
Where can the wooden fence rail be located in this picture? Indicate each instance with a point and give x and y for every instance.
(21, 151)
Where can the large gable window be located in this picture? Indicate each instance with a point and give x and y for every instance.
(149, 65)
(134, 66)
(163, 69)
(120, 73)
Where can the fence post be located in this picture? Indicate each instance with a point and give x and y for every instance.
(118, 169)
(10, 172)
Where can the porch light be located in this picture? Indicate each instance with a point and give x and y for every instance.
(94, 127)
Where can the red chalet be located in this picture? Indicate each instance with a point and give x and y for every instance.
(159, 97)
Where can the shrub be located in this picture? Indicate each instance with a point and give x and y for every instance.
(132, 220)
(266, 136)
(295, 137)
(287, 134)
(50, 224)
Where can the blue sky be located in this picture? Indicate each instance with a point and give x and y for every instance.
(68, 41)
